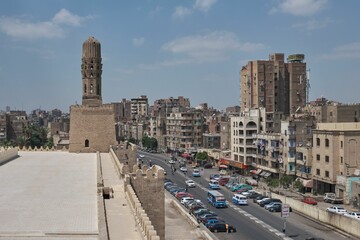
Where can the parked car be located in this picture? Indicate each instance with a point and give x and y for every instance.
(203, 217)
(183, 169)
(180, 195)
(186, 199)
(210, 221)
(220, 227)
(196, 172)
(331, 198)
(269, 205)
(195, 201)
(239, 199)
(215, 176)
(223, 172)
(223, 180)
(355, 215)
(190, 183)
(309, 200)
(208, 165)
(172, 162)
(253, 195)
(336, 209)
(258, 198)
(263, 199)
(241, 186)
(276, 207)
(265, 202)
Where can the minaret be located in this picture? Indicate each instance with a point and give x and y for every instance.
(91, 70)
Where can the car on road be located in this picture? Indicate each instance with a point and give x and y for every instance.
(276, 207)
(196, 172)
(210, 221)
(141, 156)
(183, 169)
(213, 184)
(204, 216)
(355, 215)
(186, 199)
(268, 201)
(309, 200)
(331, 198)
(172, 162)
(239, 199)
(180, 195)
(221, 227)
(190, 183)
(336, 209)
(215, 176)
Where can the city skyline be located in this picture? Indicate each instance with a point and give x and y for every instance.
(167, 49)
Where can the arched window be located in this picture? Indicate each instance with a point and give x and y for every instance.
(86, 143)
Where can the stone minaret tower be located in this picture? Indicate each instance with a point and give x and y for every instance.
(91, 70)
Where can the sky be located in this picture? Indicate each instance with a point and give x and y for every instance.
(162, 48)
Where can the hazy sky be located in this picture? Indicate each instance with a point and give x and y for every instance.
(163, 48)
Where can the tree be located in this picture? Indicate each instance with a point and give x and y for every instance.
(149, 142)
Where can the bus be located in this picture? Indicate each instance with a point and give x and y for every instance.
(216, 199)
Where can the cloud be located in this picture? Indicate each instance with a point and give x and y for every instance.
(313, 24)
(138, 41)
(22, 29)
(181, 12)
(199, 5)
(343, 52)
(209, 47)
(43, 53)
(300, 7)
(204, 5)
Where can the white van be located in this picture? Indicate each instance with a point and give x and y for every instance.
(213, 184)
(239, 199)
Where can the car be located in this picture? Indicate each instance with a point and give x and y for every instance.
(208, 165)
(223, 172)
(141, 156)
(336, 209)
(239, 199)
(180, 195)
(172, 162)
(186, 199)
(209, 221)
(355, 215)
(309, 200)
(221, 227)
(265, 202)
(255, 199)
(190, 183)
(215, 176)
(196, 172)
(204, 216)
(199, 211)
(241, 186)
(269, 205)
(276, 207)
(331, 198)
(183, 169)
(213, 184)
(263, 199)
(224, 180)
(195, 201)
(253, 195)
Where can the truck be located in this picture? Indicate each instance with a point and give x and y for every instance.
(331, 198)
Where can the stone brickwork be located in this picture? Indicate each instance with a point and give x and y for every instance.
(148, 185)
(126, 153)
(92, 128)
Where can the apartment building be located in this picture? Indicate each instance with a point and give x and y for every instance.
(139, 107)
(184, 130)
(166, 105)
(211, 140)
(273, 84)
(242, 135)
(4, 124)
(335, 156)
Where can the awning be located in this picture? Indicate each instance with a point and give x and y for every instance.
(256, 171)
(262, 173)
(185, 155)
(267, 174)
(223, 166)
(306, 183)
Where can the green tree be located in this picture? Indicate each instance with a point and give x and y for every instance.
(149, 142)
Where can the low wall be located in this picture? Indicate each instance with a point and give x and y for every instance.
(8, 154)
(346, 224)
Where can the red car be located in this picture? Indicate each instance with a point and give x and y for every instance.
(309, 200)
(180, 195)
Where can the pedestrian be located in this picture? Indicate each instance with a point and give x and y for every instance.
(227, 227)
(186, 188)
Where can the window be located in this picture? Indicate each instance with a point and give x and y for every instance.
(318, 157)
(84, 88)
(318, 142)
(326, 142)
(86, 143)
(341, 144)
(341, 159)
(318, 172)
(327, 159)
(326, 173)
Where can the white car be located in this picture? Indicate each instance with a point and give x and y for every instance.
(355, 215)
(141, 156)
(190, 183)
(336, 209)
(184, 200)
(260, 200)
(171, 161)
(183, 169)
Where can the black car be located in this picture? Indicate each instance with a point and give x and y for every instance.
(253, 195)
(277, 208)
(263, 203)
(258, 198)
(220, 227)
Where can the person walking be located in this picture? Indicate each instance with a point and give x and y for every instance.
(227, 227)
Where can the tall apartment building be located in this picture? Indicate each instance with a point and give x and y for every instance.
(4, 125)
(139, 107)
(242, 137)
(273, 84)
(18, 121)
(335, 155)
(184, 130)
(166, 105)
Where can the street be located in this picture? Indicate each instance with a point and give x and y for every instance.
(252, 221)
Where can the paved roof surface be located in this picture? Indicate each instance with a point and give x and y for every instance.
(50, 195)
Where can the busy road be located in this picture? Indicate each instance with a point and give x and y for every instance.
(251, 221)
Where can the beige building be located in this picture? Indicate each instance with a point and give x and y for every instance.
(92, 124)
(139, 107)
(335, 153)
(273, 84)
(184, 130)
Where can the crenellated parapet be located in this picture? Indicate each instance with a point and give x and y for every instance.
(7, 154)
(127, 155)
